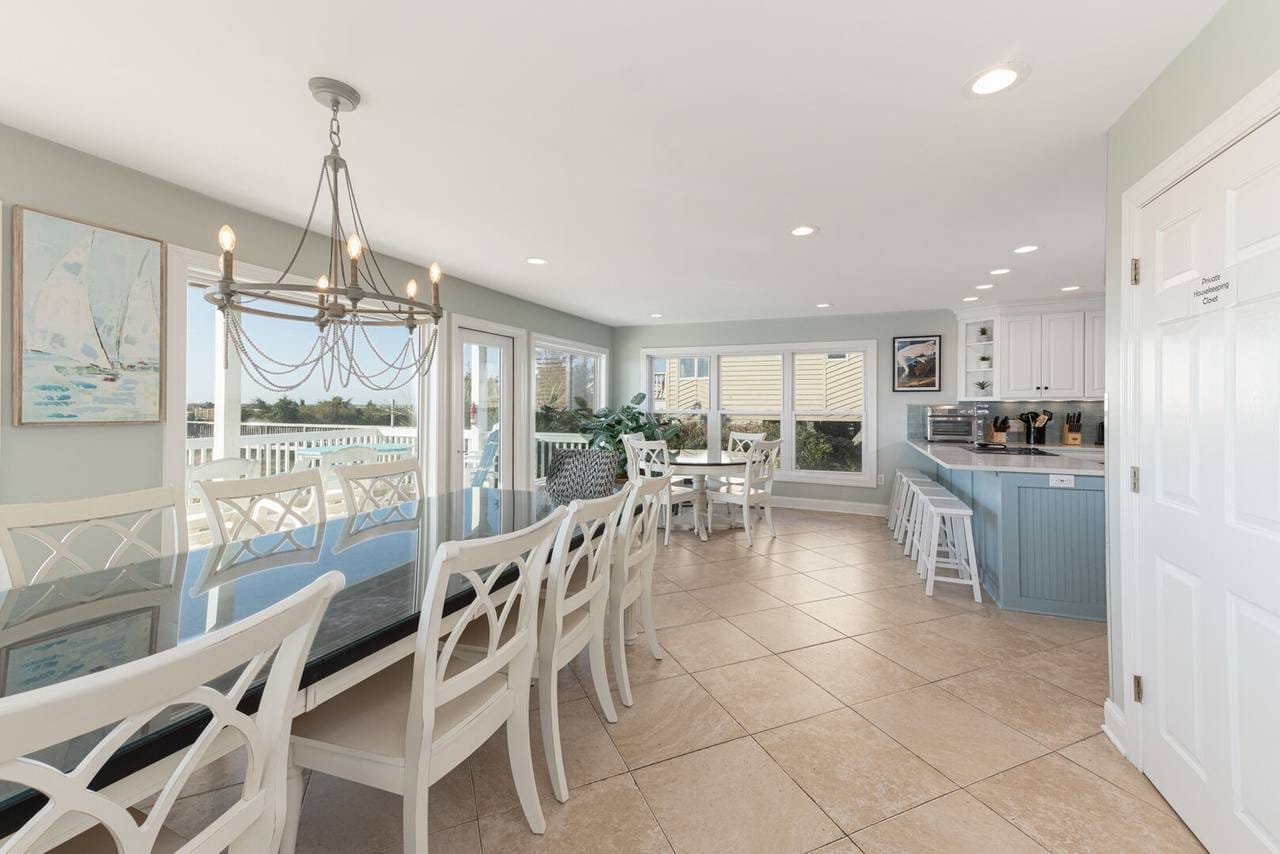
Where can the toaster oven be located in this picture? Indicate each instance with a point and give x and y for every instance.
(952, 424)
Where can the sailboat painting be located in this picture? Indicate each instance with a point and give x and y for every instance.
(89, 311)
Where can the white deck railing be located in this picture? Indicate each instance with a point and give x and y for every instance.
(275, 445)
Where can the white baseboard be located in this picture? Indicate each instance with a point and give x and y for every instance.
(1113, 725)
(828, 505)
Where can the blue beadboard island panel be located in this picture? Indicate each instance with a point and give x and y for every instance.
(1040, 548)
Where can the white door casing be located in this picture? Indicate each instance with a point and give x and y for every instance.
(1095, 354)
(1019, 356)
(1208, 514)
(1062, 360)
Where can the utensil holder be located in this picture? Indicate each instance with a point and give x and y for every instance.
(1035, 436)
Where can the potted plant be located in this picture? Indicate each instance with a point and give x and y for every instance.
(605, 427)
(985, 360)
(984, 334)
(982, 385)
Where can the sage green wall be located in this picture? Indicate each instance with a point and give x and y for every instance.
(65, 461)
(1232, 55)
(891, 408)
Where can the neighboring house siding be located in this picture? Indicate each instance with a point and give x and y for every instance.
(751, 383)
(824, 384)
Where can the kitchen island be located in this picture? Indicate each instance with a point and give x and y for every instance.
(1039, 524)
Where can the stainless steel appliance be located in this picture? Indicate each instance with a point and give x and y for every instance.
(952, 424)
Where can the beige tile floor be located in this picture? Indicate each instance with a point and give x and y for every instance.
(812, 699)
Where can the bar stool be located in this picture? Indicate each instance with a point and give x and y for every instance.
(908, 500)
(897, 496)
(948, 544)
(914, 533)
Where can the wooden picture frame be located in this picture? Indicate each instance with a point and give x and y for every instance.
(917, 363)
(84, 365)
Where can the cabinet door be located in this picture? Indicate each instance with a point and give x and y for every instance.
(1018, 363)
(1095, 354)
(1062, 365)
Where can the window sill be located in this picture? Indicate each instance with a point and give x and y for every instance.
(829, 478)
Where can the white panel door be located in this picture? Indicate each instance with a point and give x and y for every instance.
(1019, 358)
(1209, 523)
(1095, 354)
(483, 409)
(1062, 362)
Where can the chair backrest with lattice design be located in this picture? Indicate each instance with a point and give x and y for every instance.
(653, 458)
(503, 574)
(762, 462)
(739, 442)
(243, 509)
(579, 576)
(44, 542)
(628, 439)
(377, 486)
(227, 468)
(121, 700)
(636, 540)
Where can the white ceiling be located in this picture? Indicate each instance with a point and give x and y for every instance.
(657, 153)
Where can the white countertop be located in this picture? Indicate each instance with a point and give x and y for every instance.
(953, 455)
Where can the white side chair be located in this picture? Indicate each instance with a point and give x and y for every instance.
(653, 459)
(756, 488)
(44, 542)
(630, 452)
(227, 468)
(244, 509)
(573, 616)
(740, 442)
(631, 579)
(121, 700)
(378, 486)
(404, 728)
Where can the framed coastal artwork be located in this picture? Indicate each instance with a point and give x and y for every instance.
(88, 323)
(917, 363)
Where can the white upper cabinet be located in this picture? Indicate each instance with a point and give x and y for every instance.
(1062, 365)
(1052, 351)
(1095, 354)
(1019, 356)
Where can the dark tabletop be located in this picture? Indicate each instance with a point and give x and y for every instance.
(58, 630)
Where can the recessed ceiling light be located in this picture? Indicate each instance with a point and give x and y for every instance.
(1000, 272)
(1023, 250)
(996, 79)
(655, 315)
(970, 299)
(823, 305)
(1072, 288)
(804, 230)
(984, 287)
(537, 262)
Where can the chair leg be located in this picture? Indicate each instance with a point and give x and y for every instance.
(930, 553)
(619, 644)
(520, 755)
(295, 788)
(599, 675)
(666, 515)
(967, 527)
(549, 715)
(746, 515)
(646, 616)
(768, 515)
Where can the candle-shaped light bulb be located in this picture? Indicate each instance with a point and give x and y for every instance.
(323, 283)
(354, 247)
(411, 289)
(435, 273)
(226, 238)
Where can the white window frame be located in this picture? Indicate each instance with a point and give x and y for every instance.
(565, 345)
(787, 471)
(678, 353)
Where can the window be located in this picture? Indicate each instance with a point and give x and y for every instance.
(817, 398)
(565, 377)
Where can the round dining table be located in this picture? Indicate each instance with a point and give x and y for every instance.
(698, 465)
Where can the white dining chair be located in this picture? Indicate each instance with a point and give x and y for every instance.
(653, 459)
(44, 542)
(740, 442)
(575, 604)
(227, 468)
(407, 726)
(111, 706)
(244, 509)
(631, 577)
(756, 488)
(630, 452)
(378, 486)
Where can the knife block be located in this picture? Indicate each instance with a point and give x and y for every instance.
(999, 438)
(1069, 437)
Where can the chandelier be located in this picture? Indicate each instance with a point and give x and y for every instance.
(343, 303)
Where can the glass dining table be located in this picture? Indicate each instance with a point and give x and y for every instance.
(55, 631)
(698, 465)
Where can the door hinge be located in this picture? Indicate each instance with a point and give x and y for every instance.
(1135, 271)
(1135, 482)
(1137, 688)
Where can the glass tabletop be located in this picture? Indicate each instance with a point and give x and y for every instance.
(55, 631)
(709, 457)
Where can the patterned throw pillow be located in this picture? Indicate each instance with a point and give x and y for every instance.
(581, 473)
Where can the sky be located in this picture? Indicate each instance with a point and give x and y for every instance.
(288, 342)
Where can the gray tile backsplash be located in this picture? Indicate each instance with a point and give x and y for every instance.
(1090, 416)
